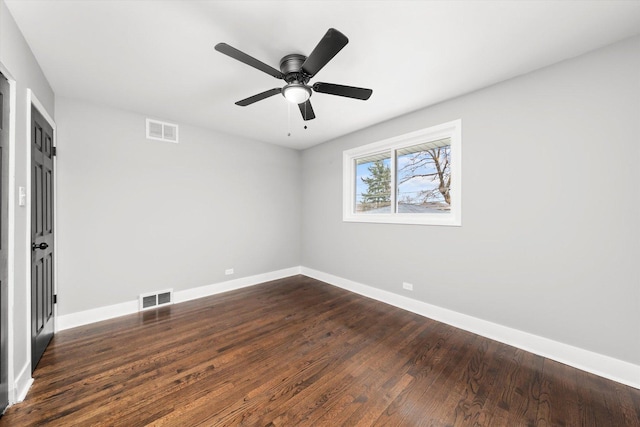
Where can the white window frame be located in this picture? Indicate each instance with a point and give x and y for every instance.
(452, 130)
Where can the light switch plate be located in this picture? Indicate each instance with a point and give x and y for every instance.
(22, 196)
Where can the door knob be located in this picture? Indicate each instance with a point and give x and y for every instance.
(42, 245)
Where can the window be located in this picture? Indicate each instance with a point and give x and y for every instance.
(410, 179)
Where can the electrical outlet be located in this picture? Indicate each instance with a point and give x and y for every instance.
(407, 286)
(228, 271)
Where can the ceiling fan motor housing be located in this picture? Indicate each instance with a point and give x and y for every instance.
(291, 67)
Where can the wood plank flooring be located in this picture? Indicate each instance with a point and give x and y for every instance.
(298, 352)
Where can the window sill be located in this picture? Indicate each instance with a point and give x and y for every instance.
(408, 219)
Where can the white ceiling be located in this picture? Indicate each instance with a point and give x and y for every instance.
(157, 57)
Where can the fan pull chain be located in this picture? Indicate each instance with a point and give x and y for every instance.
(288, 119)
(305, 112)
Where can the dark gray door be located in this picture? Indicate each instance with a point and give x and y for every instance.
(41, 235)
(4, 241)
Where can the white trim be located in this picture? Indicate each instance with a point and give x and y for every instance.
(86, 317)
(55, 223)
(32, 99)
(230, 285)
(11, 232)
(22, 384)
(595, 363)
(452, 129)
(80, 318)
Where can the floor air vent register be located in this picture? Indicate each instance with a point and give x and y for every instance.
(156, 299)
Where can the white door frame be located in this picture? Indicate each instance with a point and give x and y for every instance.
(32, 100)
(12, 227)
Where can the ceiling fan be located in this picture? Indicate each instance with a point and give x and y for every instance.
(297, 70)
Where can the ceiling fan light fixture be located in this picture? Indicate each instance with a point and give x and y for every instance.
(296, 93)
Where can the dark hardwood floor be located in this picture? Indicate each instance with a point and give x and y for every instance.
(298, 352)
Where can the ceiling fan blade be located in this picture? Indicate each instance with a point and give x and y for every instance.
(332, 42)
(306, 110)
(249, 60)
(340, 90)
(259, 97)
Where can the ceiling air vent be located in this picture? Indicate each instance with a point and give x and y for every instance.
(162, 131)
(156, 299)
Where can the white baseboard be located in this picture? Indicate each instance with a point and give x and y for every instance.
(22, 384)
(98, 314)
(230, 285)
(595, 363)
(598, 364)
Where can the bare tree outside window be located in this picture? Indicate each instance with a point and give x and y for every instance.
(424, 178)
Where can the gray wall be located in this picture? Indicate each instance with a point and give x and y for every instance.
(18, 60)
(549, 242)
(550, 237)
(136, 215)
